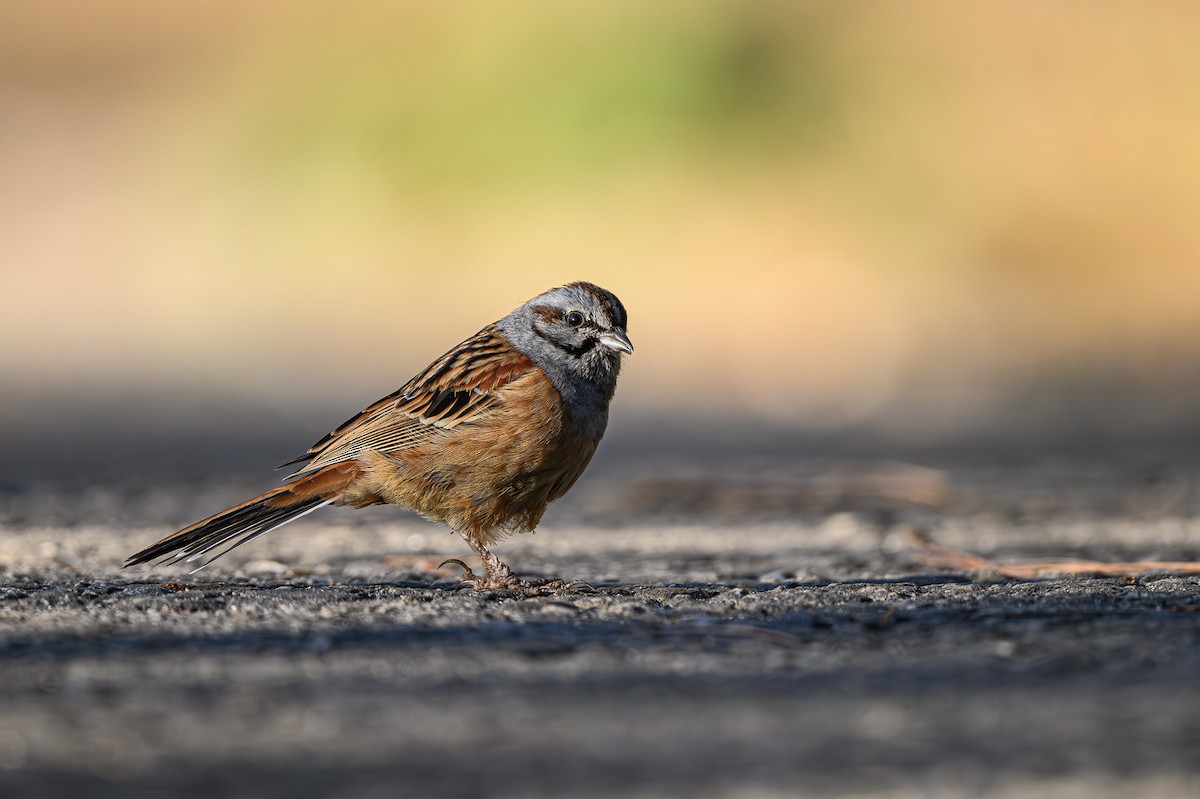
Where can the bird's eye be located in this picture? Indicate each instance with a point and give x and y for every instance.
(574, 319)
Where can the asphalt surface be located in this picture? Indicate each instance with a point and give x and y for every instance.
(762, 629)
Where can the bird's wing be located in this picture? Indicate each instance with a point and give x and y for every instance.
(454, 390)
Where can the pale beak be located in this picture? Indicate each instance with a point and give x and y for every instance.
(617, 341)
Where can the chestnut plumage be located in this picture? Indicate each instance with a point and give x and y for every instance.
(483, 439)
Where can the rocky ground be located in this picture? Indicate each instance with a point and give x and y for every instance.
(769, 628)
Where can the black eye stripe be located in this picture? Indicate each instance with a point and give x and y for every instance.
(588, 344)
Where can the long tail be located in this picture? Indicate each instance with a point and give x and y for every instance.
(247, 521)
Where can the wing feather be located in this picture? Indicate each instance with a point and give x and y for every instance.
(456, 389)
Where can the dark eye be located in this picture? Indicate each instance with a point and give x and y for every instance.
(574, 319)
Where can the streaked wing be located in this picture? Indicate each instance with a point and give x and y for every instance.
(456, 389)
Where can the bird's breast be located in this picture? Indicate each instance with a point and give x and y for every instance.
(497, 473)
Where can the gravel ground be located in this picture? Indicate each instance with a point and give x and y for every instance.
(760, 631)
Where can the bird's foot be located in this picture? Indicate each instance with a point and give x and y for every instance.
(501, 578)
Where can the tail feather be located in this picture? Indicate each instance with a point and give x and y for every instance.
(254, 517)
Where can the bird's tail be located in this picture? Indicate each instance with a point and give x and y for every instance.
(247, 521)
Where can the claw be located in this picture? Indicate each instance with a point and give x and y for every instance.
(455, 561)
(469, 577)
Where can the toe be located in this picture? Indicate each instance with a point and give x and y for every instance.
(469, 577)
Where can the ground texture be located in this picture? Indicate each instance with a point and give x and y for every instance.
(763, 630)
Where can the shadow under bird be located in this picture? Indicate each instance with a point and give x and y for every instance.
(482, 440)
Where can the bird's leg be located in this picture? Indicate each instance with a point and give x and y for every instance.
(498, 573)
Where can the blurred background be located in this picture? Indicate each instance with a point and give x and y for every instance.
(894, 225)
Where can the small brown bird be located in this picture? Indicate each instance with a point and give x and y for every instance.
(483, 440)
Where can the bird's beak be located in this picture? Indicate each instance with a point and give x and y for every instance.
(617, 341)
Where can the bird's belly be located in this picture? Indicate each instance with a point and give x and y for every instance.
(490, 479)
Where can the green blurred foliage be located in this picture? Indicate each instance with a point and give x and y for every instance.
(920, 211)
(491, 101)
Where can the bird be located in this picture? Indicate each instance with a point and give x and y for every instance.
(482, 440)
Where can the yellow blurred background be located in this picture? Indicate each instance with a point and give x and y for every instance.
(926, 217)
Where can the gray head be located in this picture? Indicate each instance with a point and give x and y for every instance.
(576, 333)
